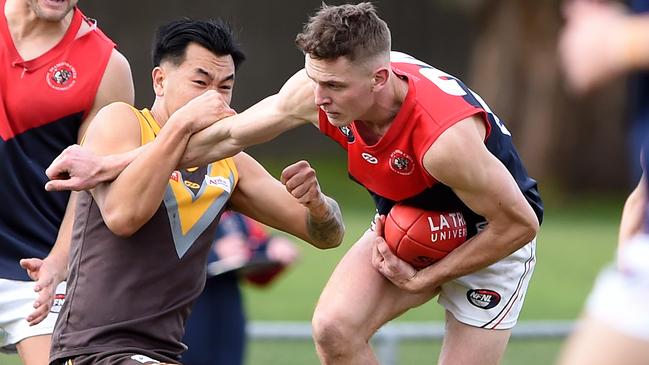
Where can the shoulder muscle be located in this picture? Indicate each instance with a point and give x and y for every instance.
(114, 129)
(460, 145)
(116, 85)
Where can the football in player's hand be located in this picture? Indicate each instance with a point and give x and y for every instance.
(422, 237)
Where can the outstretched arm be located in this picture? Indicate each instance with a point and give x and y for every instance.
(295, 205)
(294, 105)
(77, 168)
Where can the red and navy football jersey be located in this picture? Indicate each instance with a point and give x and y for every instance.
(392, 169)
(42, 104)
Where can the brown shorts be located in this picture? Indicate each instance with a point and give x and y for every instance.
(127, 358)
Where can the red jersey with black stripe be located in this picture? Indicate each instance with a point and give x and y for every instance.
(43, 101)
(392, 168)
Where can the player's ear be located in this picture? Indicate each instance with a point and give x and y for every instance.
(380, 78)
(158, 75)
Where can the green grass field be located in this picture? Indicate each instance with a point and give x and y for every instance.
(577, 239)
(575, 243)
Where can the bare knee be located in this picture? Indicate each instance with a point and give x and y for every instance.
(328, 330)
(333, 335)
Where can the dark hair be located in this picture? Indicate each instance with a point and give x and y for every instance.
(171, 40)
(353, 31)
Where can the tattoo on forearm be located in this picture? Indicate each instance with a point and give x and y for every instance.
(330, 229)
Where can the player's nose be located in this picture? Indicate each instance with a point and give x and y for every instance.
(321, 98)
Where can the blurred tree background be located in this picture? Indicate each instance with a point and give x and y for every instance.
(504, 49)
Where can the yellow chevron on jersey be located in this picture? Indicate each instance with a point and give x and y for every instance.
(195, 196)
(195, 192)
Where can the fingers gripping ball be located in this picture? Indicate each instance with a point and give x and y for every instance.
(422, 237)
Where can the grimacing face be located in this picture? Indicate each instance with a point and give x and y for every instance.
(51, 10)
(342, 90)
(201, 70)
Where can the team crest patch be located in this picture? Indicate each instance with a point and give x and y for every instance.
(401, 163)
(61, 76)
(483, 298)
(348, 133)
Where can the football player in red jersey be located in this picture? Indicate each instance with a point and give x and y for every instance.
(50, 90)
(414, 134)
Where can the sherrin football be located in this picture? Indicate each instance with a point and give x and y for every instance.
(422, 237)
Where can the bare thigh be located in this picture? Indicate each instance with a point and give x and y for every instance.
(359, 296)
(34, 350)
(468, 345)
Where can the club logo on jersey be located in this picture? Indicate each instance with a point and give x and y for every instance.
(192, 185)
(193, 178)
(59, 299)
(483, 298)
(61, 76)
(219, 182)
(401, 163)
(369, 158)
(175, 176)
(348, 133)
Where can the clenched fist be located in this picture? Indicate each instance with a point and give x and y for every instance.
(301, 181)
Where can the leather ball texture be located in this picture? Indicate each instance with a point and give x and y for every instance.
(423, 237)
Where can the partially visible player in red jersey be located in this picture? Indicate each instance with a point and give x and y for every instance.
(414, 134)
(57, 69)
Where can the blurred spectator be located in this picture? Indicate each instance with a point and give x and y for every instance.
(599, 43)
(243, 249)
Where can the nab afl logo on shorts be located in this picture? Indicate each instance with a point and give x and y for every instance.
(483, 298)
(61, 76)
(348, 133)
(401, 163)
(59, 299)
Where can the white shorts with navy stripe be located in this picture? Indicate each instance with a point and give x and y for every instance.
(16, 303)
(491, 298)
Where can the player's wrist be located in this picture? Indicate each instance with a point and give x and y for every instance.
(182, 122)
(111, 166)
(58, 265)
(325, 224)
(321, 210)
